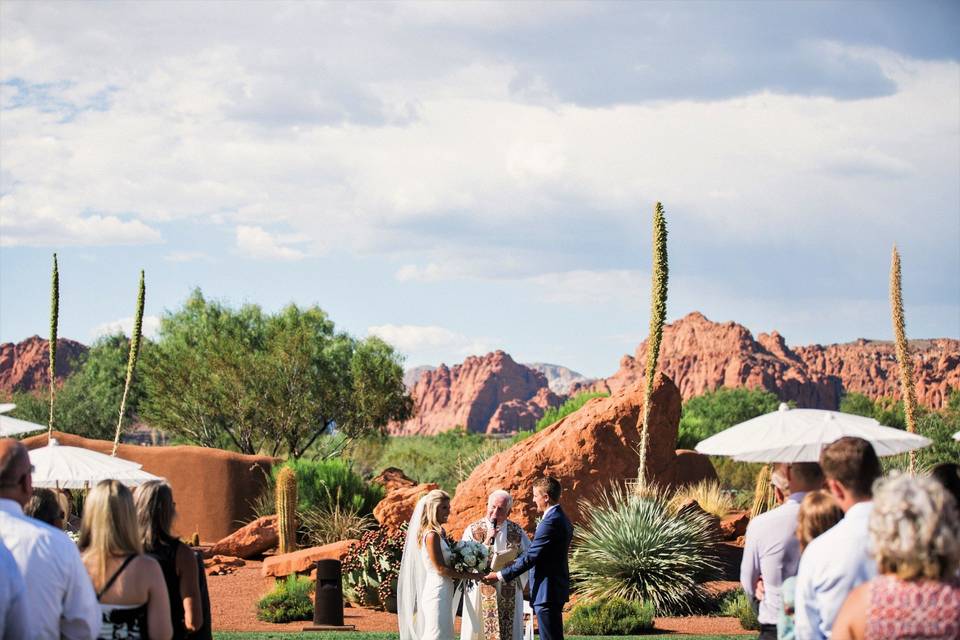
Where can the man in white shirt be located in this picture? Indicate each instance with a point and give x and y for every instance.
(60, 599)
(837, 561)
(771, 550)
(13, 599)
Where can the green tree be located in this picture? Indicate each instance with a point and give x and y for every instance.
(273, 383)
(886, 411)
(86, 404)
(715, 411)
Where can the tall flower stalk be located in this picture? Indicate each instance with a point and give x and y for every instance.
(658, 314)
(54, 320)
(135, 339)
(907, 388)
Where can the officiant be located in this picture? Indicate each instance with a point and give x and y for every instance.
(495, 612)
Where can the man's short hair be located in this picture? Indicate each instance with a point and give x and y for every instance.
(549, 486)
(11, 461)
(853, 463)
(808, 473)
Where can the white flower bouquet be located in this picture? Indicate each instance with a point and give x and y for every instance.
(469, 556)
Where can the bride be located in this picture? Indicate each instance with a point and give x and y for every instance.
(425, 589)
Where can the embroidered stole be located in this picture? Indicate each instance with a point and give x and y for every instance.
(497, 610)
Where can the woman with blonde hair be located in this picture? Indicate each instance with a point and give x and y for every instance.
(915, 538)
(129, 584)
(819, 511)
(155, 513)
(425, 588)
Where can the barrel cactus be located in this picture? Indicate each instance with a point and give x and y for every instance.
(286, 494)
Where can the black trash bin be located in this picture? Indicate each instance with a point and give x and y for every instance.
(328, 598)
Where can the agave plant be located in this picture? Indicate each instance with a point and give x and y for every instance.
(637, 548)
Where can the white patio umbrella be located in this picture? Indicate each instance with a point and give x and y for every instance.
(797, 435)
(14, 426)
(76, 468)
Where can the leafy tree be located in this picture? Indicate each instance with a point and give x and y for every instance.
(715, 411)
(886, 411)
(257, 382)
(87, 402)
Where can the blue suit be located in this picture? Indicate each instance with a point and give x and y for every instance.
(546, 559)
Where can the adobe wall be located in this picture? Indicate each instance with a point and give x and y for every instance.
(213, 488)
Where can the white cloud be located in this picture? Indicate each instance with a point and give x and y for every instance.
(255, 242)
(591, 287)
(187, 256)
(149, 328)
(427, 343)
(38, 230)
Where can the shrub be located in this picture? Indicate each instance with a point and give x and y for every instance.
(289, 601)
(637, 548)
(332, 522)
(610, 617)
(323, 481)
(573, 404)
(738, 606)
(711, 497)
(717, 410)
(371, 568)
(737, 476)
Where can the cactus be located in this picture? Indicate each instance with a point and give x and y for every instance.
(54, 319)
(135, 339)
(286, 495)
(903, 350)
(195, 539)
(658, 314)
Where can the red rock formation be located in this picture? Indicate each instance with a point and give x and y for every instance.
(248, 541)
(302, 561)
(25, 366)
(398, 505)
(702, 356)
(586, 451)
(488, 394)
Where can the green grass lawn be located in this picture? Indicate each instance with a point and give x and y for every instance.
(356, 635)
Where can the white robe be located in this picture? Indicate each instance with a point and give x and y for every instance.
(470, 624)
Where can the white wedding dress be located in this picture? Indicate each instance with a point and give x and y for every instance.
(426, 601)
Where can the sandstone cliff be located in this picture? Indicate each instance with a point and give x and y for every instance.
(485, 394)
(25, 366)
(701, 355)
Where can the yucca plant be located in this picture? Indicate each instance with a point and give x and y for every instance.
(136, 335)
(763, 496)
(54, 320)
(638, 549)
(904, 362)
(658, 314)
(711, 497)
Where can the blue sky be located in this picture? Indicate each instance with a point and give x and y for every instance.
(460, 177)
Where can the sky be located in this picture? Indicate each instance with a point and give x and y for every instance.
(459, 177)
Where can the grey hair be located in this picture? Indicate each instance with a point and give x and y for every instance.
(500, 493)
(914, 528)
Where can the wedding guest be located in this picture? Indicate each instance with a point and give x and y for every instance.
(60, 600)
(948, 474)
(13, 598)
(915, 533)
(837, 561)
(771, 551)
(45, 507)
(155, 513)
(130, 587)
(819, 512)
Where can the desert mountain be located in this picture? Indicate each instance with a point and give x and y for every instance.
(25, 366)
(701, 355)
(412, 375)
(559, 378)
(485, 394)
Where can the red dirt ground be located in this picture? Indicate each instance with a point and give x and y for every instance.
(233, 600)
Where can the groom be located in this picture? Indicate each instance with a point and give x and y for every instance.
(546, 559)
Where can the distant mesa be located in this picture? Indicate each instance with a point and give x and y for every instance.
(25, 366)
(411, 376)
(560, 378)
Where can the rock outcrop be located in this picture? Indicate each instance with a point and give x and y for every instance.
(586, 451)
(398, 505)
(25, 366)
(560, 378)
(701, 355)
(302, 561)
(488, 394)
(248, 541)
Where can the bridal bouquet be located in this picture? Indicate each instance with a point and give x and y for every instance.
(469, 556)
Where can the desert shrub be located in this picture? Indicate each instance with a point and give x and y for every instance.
(714, 411)
(939, 426)
(711, 497)
(737, 476)
(371, 568)
(610, 617)
(573, 404)
(323, 482)
(442, 458)
(737, 605)
(637, 548)
(887, 411)
(331, 522)
(289, 601)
